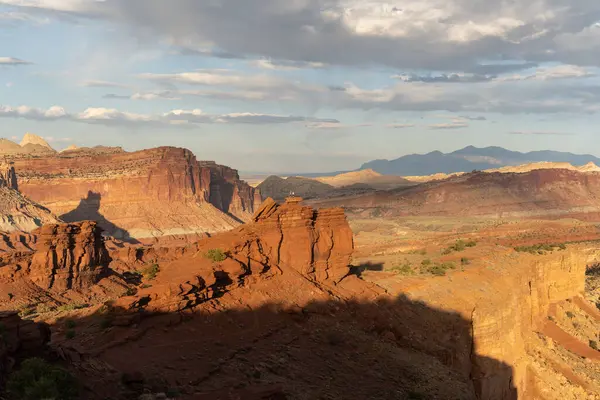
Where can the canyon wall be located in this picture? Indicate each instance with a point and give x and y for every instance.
(506, 304)
(149, 193)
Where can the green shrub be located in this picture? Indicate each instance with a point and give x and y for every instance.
(70, 334)
(70, 324)
(437, 270)
(465, 261)
(460, 245)
(215, 255)
(440, 269)
(594, 344)
(26, 311)
(130, 292)
(403, 269)
(151, 272)
(72, 307)
(541, 248)
(570, 314)
(426, 262)
(37, 379)
(44, 308)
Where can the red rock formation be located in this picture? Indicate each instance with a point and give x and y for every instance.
(288, 240)
(149, 193)
(317, 244)
(228, 193)
(69, 256)
(8, 177)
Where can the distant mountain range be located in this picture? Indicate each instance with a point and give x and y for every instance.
(470, 158)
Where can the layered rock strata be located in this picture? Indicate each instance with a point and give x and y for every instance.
(69, 256)
(150, 193)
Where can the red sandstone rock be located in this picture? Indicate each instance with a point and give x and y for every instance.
(8, 177)
(316, 243)
(151, 193)
(69, 256)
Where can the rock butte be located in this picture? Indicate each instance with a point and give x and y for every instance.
(150, 193)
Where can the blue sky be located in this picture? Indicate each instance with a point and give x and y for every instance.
(302, 85)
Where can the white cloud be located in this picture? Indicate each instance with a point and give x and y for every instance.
(449, 125)
(181, 118)
(334, 125)
(104, 84)
(278, 65)
(400, 126)
(556, 72)
(12, 61)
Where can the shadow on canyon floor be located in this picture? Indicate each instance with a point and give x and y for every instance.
(398, 349)
(367, 266)
(89, 209)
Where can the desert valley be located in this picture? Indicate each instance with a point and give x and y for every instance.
(154, 275)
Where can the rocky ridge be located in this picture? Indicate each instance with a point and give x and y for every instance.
(537, 193)
(150, 193)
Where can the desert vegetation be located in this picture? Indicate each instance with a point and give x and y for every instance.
(541, 248)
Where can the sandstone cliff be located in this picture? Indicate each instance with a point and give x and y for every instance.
(149, 193)
(228, 193)
(69, 256)
(18, 213)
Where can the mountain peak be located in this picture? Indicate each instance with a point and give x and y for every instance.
(30, 138)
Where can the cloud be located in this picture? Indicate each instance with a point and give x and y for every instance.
(450, 35)
(282, 65)
(163, 95)
(174, 118)
(556, 72)
(13, 61)
(400, 126)
(449, 125)
(445, 78)
(104, 84)
(473, 118)
(336, 125)
(542, 133)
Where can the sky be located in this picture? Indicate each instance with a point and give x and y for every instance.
(302, 85)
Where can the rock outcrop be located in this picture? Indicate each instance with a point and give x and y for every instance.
(18, 213)
(8, 177)
(228, 193)
(69, 256)
(317, 244)
(30, 138)
(150, 193)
